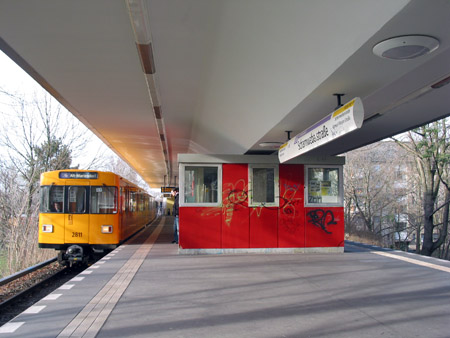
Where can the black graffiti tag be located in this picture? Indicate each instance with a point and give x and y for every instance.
(318, 217)
(237, 196)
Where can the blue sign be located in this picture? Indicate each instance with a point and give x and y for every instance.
(78, 175)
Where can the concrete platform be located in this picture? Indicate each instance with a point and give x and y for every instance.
(146, 289)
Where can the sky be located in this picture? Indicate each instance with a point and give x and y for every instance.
(12, 76)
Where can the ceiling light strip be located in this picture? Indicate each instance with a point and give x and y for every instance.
(146, 56)
(140, 23)
(157, 110)
(411, 97)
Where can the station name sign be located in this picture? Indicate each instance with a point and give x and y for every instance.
(167, 189)
(78, 175)
(340, 122)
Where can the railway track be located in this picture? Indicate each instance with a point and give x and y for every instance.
(21, 290)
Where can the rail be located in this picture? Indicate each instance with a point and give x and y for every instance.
(26, 271)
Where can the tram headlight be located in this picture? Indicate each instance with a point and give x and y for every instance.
(107, 229)
(47, 227)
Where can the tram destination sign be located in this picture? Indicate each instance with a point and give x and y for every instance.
(340, 122)
(78, 175)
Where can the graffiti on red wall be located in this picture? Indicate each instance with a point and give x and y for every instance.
(288, 200)
(234, 195)
(289, 206)
(209, 212)
(322, 219)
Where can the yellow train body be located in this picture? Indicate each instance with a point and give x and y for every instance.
(90, 211)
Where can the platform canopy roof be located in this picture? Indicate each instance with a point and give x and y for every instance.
(155, 78)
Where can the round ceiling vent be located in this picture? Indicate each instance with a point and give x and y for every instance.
(406, 47)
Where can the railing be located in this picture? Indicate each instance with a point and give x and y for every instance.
(26, 271)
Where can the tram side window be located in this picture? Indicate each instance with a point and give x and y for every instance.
(147, 203)
(77, 200)
(138, 201)
(52, 199)
(133, 201)
(103, 200)
(127, 199)
(141, 202)
(123, 203)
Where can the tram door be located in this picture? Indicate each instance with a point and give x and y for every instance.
(77, 213)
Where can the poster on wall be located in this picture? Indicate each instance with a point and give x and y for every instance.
(326, 188)
(314, 188)
(314, 192)
(340, 122)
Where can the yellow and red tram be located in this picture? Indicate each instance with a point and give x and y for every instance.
(83, 212)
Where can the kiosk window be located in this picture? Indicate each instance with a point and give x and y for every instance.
(324, 186)
(201, 185)
(263, 181)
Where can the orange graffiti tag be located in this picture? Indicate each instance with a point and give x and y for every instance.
(233, 195)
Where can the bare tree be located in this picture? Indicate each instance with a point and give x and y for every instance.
(429, 145)
(120, 167)
(18, 223)
(37, 135)
(29, 123)
(377, 191)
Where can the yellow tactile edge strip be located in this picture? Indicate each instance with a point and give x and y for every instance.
(90, 320)
(413, 261)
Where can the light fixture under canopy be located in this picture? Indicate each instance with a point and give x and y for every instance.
(406, 47)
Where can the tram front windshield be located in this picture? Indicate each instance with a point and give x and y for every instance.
(52, 199)
(74, 199)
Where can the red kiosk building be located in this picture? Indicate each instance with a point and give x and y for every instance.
(252, 203)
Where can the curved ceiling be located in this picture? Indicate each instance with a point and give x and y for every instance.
(155, 78)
